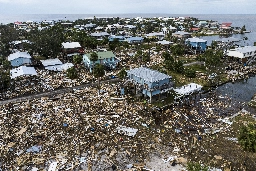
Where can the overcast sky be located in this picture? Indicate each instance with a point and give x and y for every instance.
(127, 6)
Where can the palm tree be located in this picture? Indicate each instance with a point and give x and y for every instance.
(98, 73)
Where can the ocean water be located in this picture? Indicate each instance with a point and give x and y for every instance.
(237, 20)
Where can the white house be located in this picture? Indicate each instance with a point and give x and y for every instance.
(22, 70)
(55, 65)
(158, 35)
(244, 54)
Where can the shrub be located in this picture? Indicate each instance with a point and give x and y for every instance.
(247, 137)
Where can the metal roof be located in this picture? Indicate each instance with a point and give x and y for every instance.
(100, 34)
(102, 55)
(18, 55)
(197, 40)
(135, 38)
(22, 70)
(148, 75)
(51, 62)
(70, 45)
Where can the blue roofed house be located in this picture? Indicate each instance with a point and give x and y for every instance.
(19, 58)
(149, 82)
(106, 58)
(197, 44)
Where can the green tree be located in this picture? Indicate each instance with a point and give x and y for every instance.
(6, 65)
(4, 80)
(178, 67)
(167, 56)
(89, 42)
(47, 42)
(98, 72)
(94, 57)
(72, 73)
(168, 61)
(243, 29)
(138, 56)
(214, 44)
(212, 58)
(114, 44)
(177, 50)
(122, 74)
(77, 59)
(247, 137)
(145, 57)
(158, 48)
(104, 41)
(189, 72)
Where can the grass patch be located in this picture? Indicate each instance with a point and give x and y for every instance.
(241, 120)
(252, 103)
(166, 101)
(197, 67)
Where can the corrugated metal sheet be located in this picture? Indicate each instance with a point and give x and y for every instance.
(148, 75)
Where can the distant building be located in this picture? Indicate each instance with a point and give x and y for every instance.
(225, 25)
(106, 58)
(90, 26)
(119, 38)
(194, 29)
(149, 82)
(19, 58)
(55, 65)
(132, 40)
(72, 48)
(182, 34)
(20, 26)
(202, 23)
(19, 44)
(100, 35)
(130, 27)
(157, 35)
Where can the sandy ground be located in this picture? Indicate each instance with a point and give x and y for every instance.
(156, 163)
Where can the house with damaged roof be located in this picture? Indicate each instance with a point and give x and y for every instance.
(19, 58)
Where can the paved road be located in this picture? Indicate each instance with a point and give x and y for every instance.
(193, 63)
(54, 92)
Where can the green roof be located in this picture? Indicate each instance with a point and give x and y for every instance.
(102, 55)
